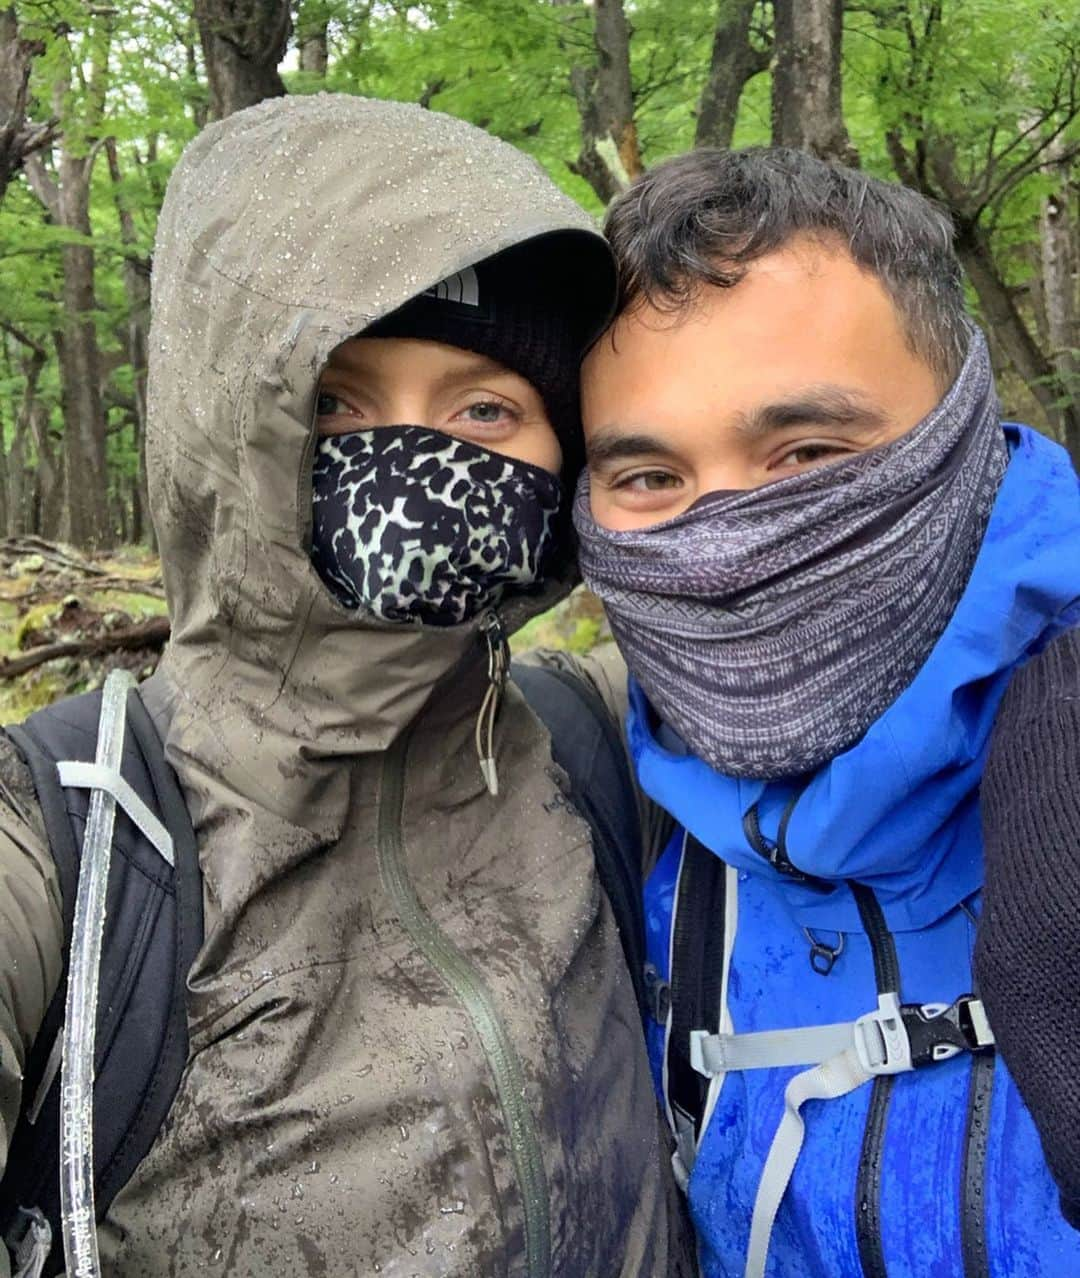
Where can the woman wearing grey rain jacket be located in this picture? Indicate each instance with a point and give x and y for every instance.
(413, 1045)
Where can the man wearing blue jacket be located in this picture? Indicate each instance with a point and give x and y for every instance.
(823, 557)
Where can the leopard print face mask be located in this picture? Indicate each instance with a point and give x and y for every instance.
(414, 525)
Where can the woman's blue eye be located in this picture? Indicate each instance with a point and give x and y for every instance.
(487, 411)
(326, 405)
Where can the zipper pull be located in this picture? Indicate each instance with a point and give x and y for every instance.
(491, 627)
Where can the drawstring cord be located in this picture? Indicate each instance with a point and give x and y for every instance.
(498, 670)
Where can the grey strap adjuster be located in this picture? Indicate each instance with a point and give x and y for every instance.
(82, 775)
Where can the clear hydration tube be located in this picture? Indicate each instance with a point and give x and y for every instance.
(78, 1220)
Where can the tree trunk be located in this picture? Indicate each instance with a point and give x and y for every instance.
(734, 62)
(1002, 315)
(66, 198)
(137, 291)
(806, 103)
(49, 505)
(1059, 276)
(312, 25)
(614, 91)
(80, 369)
(18, 137)
(610, 157)
(197, 101)
(243, 41)
(17, 506)
(87, 520)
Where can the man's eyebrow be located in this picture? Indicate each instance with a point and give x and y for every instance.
(815, 406)
(610, 445)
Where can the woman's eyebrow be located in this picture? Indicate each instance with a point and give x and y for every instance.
(478, 366)
(610, 445)
(814, 406)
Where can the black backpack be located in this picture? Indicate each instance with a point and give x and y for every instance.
(154, 927)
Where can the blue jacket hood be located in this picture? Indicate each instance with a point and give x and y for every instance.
(899, 809)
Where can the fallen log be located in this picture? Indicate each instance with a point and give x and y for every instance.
(147, 634)
(43, 591)
(14, 548)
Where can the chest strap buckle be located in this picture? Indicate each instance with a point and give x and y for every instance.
(892, 1039)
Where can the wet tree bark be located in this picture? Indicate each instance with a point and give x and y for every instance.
(610, 157)
(735, 61)
(18, 136)
(806, 107)
(243, 42)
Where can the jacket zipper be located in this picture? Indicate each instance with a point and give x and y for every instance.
(868, 1180)
(465, 982)
(973, 1176)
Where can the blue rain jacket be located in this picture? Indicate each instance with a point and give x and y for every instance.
(898, 812)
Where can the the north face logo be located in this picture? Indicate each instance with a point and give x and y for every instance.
(462, 288)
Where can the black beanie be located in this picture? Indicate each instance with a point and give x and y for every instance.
(535, 309)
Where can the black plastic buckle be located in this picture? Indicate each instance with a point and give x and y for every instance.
(937, 1031)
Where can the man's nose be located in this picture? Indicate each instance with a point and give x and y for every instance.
(729, 475)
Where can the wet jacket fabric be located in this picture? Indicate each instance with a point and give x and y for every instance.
(414, 1049)
(954, 1182)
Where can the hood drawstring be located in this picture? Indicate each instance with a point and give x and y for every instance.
(498, 671)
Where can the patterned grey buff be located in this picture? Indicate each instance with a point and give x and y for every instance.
(414, 525)
(770, 628)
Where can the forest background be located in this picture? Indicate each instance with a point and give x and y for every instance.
(976, 103)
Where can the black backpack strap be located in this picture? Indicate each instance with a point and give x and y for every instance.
(696, 977)
(153, 930)
(586, 744)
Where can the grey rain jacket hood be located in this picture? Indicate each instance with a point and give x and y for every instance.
(414, 1049)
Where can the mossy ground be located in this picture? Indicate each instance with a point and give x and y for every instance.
(41, 604)
(38, 607)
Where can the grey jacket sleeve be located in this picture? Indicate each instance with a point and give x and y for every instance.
(31, 936)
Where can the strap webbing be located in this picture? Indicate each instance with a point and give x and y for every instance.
(713, 1054)
(832, 1078)
(95, 776)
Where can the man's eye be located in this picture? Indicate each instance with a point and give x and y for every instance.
(809, 454)
(650, 481)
